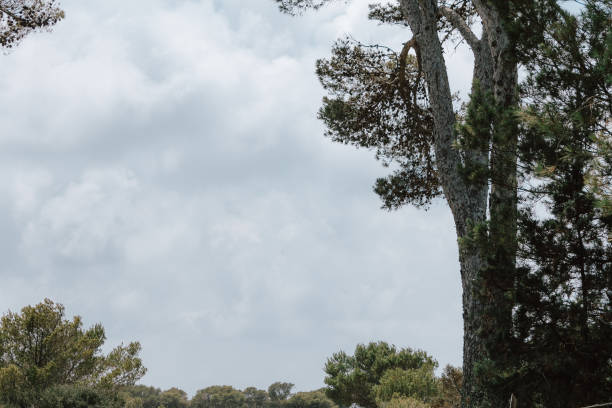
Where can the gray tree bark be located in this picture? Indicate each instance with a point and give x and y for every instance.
(494, 72)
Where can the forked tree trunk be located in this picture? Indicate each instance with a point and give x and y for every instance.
(494, 72)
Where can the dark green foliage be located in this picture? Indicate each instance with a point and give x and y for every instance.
(377, 101)
(526, 21)
(74, 396)
(474, 134)
(388, 13)
(563, 313)
(352, 379)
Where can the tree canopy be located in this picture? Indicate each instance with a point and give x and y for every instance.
(379, 375)
(352, 379)
(40, 348)
(219, 396)
(18, 18)
(279, 391)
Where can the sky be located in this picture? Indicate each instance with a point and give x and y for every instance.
(163, 172)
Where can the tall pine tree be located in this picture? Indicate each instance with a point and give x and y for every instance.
(563, 317)
(399, 104)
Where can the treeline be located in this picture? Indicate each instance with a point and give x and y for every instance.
(224, 396)
(49, 361)
(377, 375)
(142, 396)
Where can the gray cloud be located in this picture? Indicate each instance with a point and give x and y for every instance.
(163, 172)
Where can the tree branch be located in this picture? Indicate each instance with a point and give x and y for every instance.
(404, 54)
(460, 24)
(599, 405)
(15, 17)
(402, 64)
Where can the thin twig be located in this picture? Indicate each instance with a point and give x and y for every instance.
(599, 405)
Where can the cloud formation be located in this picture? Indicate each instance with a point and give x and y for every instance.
(163, 172)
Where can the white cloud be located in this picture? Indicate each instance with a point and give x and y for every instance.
(84, 222)
(164, 173)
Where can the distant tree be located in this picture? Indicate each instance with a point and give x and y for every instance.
(219, 396)
(150, 396)
(353, 379)
(174, 398)
(255, 398)
(18, 18)
(450, 384)
(279, 391)
(312, 399)
(39, 349)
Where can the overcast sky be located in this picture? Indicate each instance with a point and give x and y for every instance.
(163, 172)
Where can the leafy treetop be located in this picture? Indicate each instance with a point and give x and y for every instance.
(39, 348)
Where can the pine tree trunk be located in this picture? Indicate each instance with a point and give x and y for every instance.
(473, 260)
(499, 279)
(494, 72)
(473, 347)
(468, 201)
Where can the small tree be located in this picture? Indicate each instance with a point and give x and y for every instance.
(353, 379)
(255, 398)
(39, 349)
(450, 384)
(279, 391)
(418, 383)
(174, 398)
(219, 396)
(312, 399)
